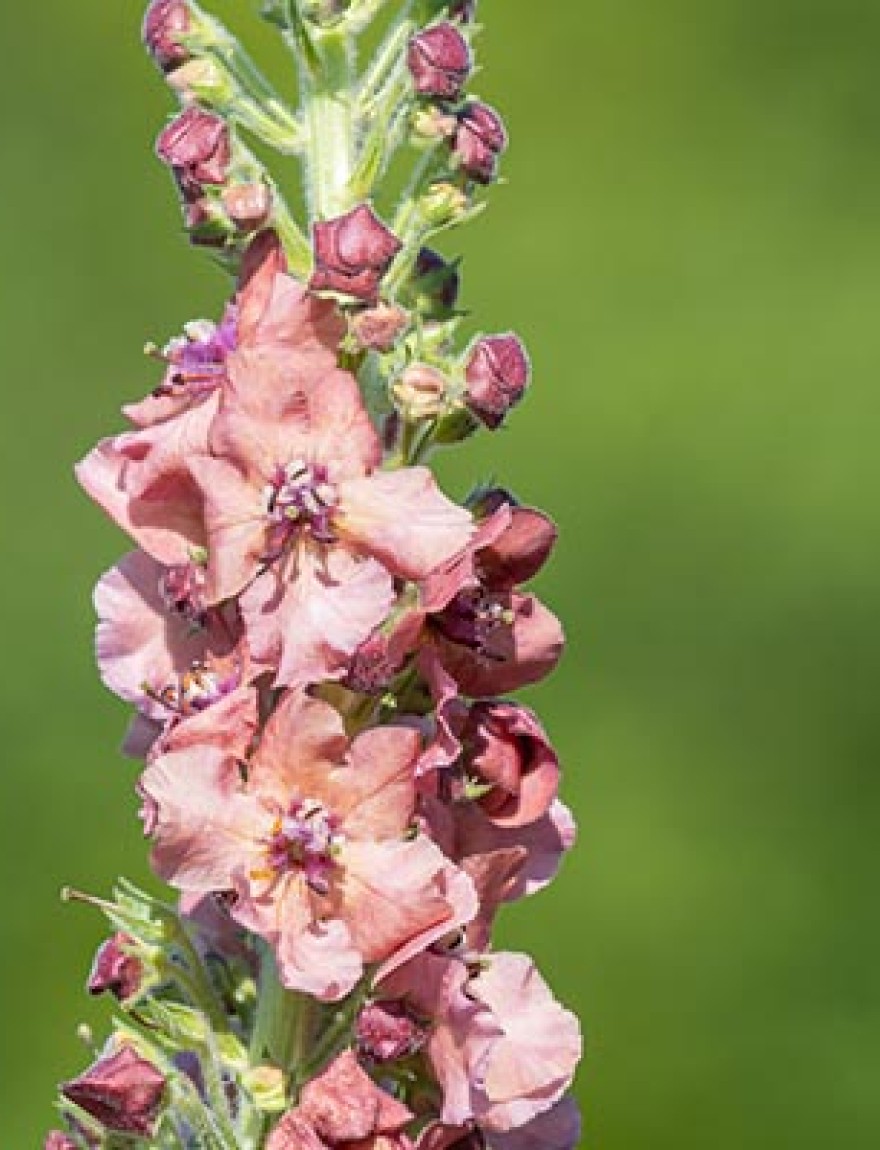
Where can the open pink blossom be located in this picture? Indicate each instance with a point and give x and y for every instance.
(315, 845)
(343, 1108)
(558, 1128)
(302, 525)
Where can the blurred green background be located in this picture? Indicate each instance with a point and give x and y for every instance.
(690, 243)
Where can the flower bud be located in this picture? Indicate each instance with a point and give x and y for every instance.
(439, 61)
(352, 254)
(116, 969)
(497, 375)
(420, 392)
(202, 80)
(122, 1091)
(430, 122)
(464, 11)
(165, 22)
(248, 206)
(379, 328)
(443, 204)
(480, 138)
(196, 145)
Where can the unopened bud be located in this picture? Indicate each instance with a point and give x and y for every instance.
(480, 138)
(248, 205)
(379, 328)
(439, 61)
(420, 392)
(352, 254)
(432, 123)
(115, 969)
(497, 375)
(122, 1091)
(266, 1086)
(202, 80)
(165, 23)
(196, 145)
(465, 11)
(442, 204)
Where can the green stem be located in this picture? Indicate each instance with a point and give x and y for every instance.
(283, 1021)
(327, 100)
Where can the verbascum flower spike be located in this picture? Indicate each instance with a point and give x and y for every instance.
(317, 643)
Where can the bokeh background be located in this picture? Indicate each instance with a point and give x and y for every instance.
(690, 243)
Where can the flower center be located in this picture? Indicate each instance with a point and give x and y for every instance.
(475, 618)
(182, 590)
(300, 499)
(306, 839)
(197, 360)
(196, 690)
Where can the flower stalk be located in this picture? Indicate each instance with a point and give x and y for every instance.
(317, 642)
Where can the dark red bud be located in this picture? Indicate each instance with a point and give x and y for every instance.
(352, 254)
(497, 375)
(439, 61)
(196, 145)
(480, 138)
(165, 22)
(122, 1091)
(114, 970)
(464, 11)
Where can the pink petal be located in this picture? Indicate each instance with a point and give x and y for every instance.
(306, 616)
(236, 519)
(532, 1066)
(403, 519)
(391, 895)
(444, 582)
(302, 741)
(376, 794)
(520, 552)
(169, 524)
(204, 828)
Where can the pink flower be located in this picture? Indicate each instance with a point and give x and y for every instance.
(314, 844)
(556, 1129)
(302, 525)
(343, 1107)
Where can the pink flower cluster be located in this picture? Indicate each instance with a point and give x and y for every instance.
(314, 641)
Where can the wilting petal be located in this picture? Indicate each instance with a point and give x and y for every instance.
(403, 519)
(520, 551)
(308, 621)
(444, 582)
(532, 1066)
(343, 1104)
(513, 656)
(203, 828)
